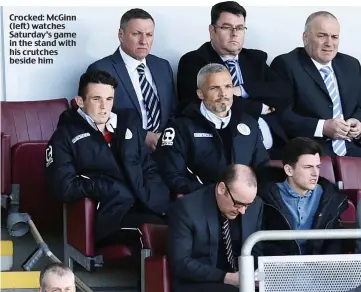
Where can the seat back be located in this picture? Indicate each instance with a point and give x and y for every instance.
(348, 171)
(326, 170)
(31, 120)
(155, 238)
(30, 125)
(350, 214)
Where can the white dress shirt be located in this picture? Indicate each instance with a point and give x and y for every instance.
(131, 64)
(320, 124)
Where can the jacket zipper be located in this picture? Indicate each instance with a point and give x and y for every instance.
(289, 225)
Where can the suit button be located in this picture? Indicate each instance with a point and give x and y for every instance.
(330, 106)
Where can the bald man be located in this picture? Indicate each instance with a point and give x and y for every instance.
(207, 229)
(326, 99)
(57, 277)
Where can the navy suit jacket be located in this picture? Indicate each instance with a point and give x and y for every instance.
(125, 96)
(310, 98)
(194, 234)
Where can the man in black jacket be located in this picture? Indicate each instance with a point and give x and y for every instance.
(296, 198)
(199, 144)
(97, 154)
(258, 90)
(208, 228)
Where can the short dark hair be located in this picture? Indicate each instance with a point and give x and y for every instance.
(97, 76)
(53, 268)
(235, 172)
(227, 6)
(135, 13)
(299, 146)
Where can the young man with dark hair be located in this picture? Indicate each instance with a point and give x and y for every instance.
(257, 89)
(145, 81)
(98, 154)
(297, 198)
(208, 228)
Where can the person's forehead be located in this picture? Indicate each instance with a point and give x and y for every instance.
(54, 281)
(97, 89)
(145, 25)
(325, 24)
(219, 78)
(243, 191)
(309, 159)
(231, 18)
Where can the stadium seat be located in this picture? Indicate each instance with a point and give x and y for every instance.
(26, 128)
(79, 241)
(348, 176)
(156, 273)
(326, 170)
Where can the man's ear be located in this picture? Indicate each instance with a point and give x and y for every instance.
(79, 101)
(200, 94)
(288, 170)
(120, 35)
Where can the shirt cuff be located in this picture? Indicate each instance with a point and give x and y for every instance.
(264, 109)
(244, 92)
(319, 129)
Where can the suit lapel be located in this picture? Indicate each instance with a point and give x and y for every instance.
(124, 78)
(341, 79)
(211, 213)
(157, 78)
(245, 67)
(311, 70)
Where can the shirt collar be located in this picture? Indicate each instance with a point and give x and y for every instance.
(217, 121)
(110, 125)
(130, 62)
(293, 193)
(319, 66)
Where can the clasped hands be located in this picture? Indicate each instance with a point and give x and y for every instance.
(341, 129)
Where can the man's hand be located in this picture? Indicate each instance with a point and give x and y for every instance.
(355, 128)
(237, 91)
(267, 109)
(232, 279)
(152, 140)
(336, 129)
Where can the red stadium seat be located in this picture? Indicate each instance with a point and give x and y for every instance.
(156, 273)
(26, 128)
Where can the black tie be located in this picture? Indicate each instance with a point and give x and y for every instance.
(150, 100)
(226, 234)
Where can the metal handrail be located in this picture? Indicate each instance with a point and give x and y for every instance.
(246, 262)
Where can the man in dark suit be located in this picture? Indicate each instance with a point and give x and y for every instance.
(145, 81)
(206, 232)
(259, 91)
(326, 99)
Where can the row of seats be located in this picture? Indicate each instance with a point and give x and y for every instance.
(25, 129)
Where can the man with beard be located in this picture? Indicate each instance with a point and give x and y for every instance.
(205, 138)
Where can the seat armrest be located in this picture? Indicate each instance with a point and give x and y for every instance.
(5, 164)
(157, 274)
(80, 225)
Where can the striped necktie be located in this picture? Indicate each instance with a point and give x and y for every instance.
(231, 65)
(151, 100)
(226, 235)
(338, 145)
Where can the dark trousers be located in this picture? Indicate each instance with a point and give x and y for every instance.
(132, 237)
(207, 287)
